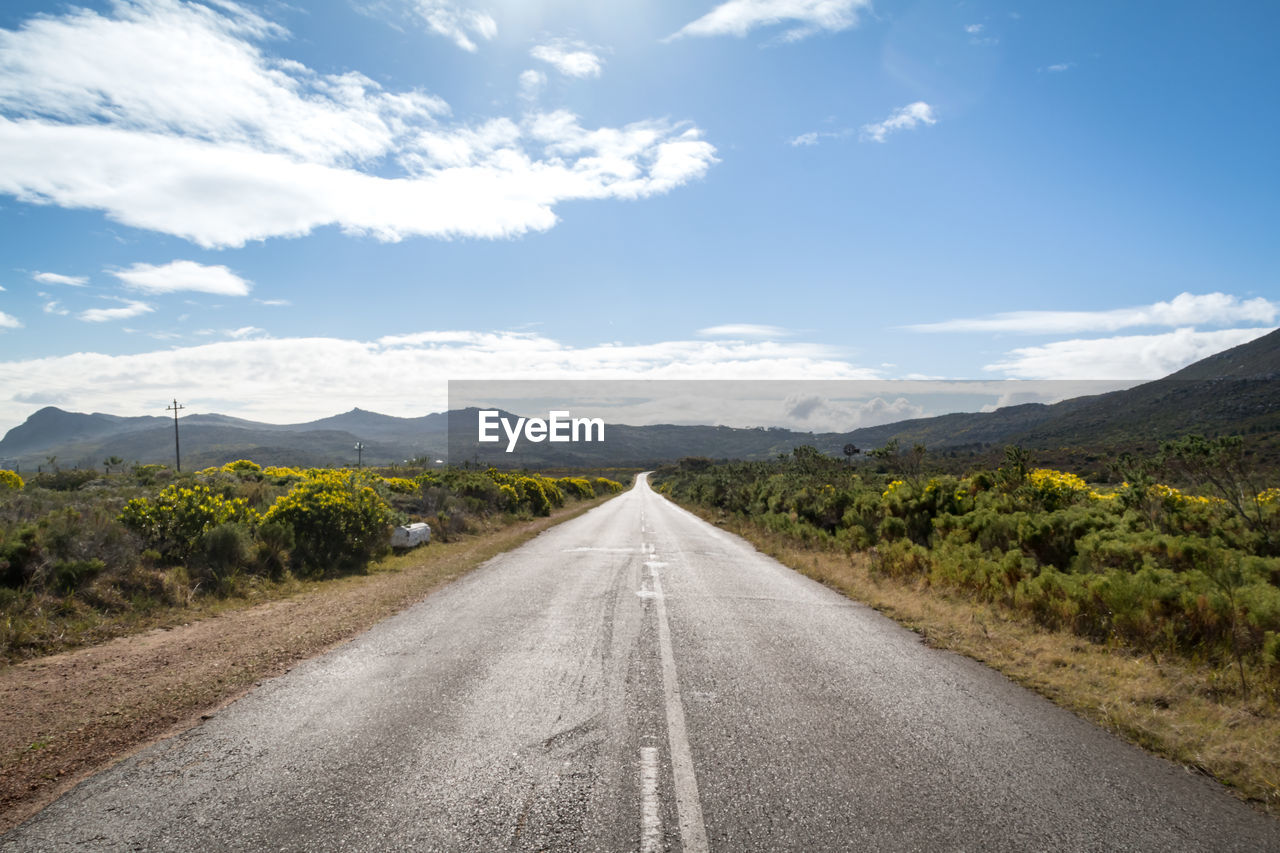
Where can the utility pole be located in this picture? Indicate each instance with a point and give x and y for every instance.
(177, 452)
(359, 454)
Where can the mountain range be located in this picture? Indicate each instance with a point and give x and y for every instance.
(1232, 392)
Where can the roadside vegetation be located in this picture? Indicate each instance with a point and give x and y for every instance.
(85, 556)
(1178, 587)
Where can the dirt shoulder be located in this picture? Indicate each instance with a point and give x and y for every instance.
(67, 716)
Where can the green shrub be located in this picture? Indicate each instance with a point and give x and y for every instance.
(224, 549)
(70, 575)
(272, 547)
(20, 555)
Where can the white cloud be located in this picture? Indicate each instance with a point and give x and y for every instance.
(55, 278)
(570, 58)
(8, 321)
(287, 380)
(183, 275)
(274, 303)
(973, 29)
(172, 68)
(739, 17)
(1123, 357)
(131, 308)
(456, 23)
(53, 306)
(245, 332)
(745, 330)
(822, 414)
(814, 137)
(1059, 67)
(1185, 309)
(903, 118)
(1048, 392)
(172, 119)
(531, 84)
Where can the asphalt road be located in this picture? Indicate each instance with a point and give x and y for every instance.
(636, 679)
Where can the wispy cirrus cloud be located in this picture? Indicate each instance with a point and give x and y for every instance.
(745, 330)
(175, 119)
(183, 275)
(532, 83)
(804, 17)
(53, 306)
(288, 379)
(903, 118)
(816, 137)
(58, 278)
(1185, 309)
(570, 58)
(245, 332)
(1120, 357)
(456, 23)
(130, 308)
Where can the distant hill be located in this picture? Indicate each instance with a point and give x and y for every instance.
(79, 440)
(375, 426)
(52, 427)
(1236, 391)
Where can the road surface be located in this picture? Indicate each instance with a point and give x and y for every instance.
(636, 679)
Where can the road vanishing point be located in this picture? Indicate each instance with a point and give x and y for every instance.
(636, 679)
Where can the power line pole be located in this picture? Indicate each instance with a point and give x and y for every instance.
(359, 454)
(177, 452)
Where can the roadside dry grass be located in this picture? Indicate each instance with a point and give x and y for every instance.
(66, 716)
(1190, 714)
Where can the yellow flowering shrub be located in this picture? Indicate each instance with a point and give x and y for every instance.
(339, 521)
(579, 487)
(1056, 487)
(173, 522)
(10, 480)
(605, 486)
(1173, 497)
(400, 485)
(281, 475)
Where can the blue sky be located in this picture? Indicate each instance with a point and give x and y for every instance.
(282, 211)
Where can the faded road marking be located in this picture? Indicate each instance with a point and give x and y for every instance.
(693, 833)
(650, 819)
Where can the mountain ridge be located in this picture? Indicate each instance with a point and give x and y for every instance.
(1237, 391)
